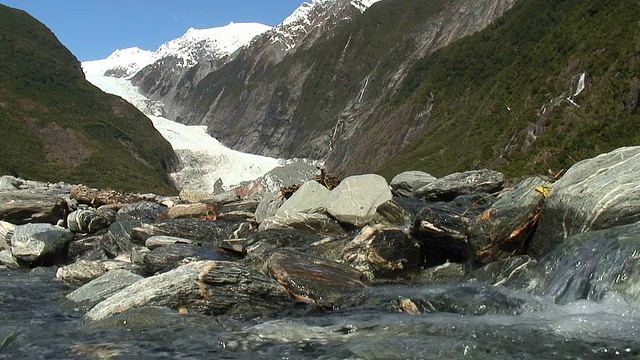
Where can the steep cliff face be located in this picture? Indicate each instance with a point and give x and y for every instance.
(56, 126)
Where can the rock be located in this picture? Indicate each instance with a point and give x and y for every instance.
(406, 183)
(193, 229)
(314, 223)
(504, 272)
(461, 183)
(6, 232)
(104, 286)
(384, 254)
(309, 198)
(392, 214)
(171, 256)
(441, 228)
(447, 273)
(313, 278)
(87, 221)
(591, 265)
(144, 210)
(7, 259)
(296, 172)
(120, 237)
(192, 211)
(248, 205)
(269, 205)
(206, 287)
(594, 194)
(357, 198)
(82, 271)
(161, 240)
(40, 244)
(259, 246)
(96, 197)
(505, 229)
(21, 207)
(6, 184)
(92, 247)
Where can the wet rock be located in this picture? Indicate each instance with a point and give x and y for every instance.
(171, 256)
(22, 207)
(160, 240)
(87, 221)
(590, 265)
(315, 223)
(144, 210)
(504, 272)
(193, 229)
(40, 244)
(406, 183)
(441, 228)
(309, 198)
(269, 205)
(313, 278)
(260, 245)
(104, 286)
(190, 211)
(462, 183)
(384, 254)
(206, 287)
(594, 194)
(83, 271)
(447, 273)
(505, 229)
(357, 198)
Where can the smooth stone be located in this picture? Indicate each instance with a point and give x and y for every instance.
(315, 223)
(462, 183)
(40, 244)
(406, 183)
(594, 194)
(104, 286)
(161, 240)
(269, 205)
(83, 271)
(205, 287)
(171, 256)
(356, 200)
(22, 207)
(309, 198)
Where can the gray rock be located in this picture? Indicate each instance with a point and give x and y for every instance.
(314, 223)
(248, 205)
(83, 271)
(120, 237)
(7, 259)
(447, 273)
(313, 278)
(260, 245)
(505, 229)
(40, 244)
(91, 247)
(384, 254)
(22, 207)
(206, 287)
(193, 229)
(144, 210)
(356, 200)
(462, 183)
(594, 194)
(504, 272)
(6, 184)
(393, 214)
(171, 256)
(406, 183)
(310, 197)
(591, 265)
(6, 232)
(104, 286)
(297, 172)
(87, 221)
(161, 240)
(269, 205)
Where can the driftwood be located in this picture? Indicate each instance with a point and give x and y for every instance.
(95, 197)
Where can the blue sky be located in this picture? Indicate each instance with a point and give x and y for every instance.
(93, 29)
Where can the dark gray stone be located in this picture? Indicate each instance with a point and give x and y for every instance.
(171, 256)
(259, 246)
(504, 272)
(206, 287)
(315, 223)
(197, 230)
(144, 210)
(87, 221)
(462, 183)
(594, 194)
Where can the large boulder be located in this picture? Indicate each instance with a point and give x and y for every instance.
(310, 197)
(259, 246)
(406, 183)
(594, 194)
(356, 200)
(315, 222)
(143, 210)
(461, 183)
(171, 256)
(22, 207)
(40, 244)
(206, 287)
(269, 205)
(83, 271)
(104, 286)
(505, 229)
(193, 229)
(88, 221)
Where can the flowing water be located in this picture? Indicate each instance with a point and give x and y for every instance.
(39, 323)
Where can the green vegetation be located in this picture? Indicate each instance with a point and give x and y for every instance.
(490, 89)
(58, 127)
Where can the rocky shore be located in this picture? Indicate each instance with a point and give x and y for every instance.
(326, 245)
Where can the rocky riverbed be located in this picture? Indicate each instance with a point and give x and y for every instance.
(466, 265)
